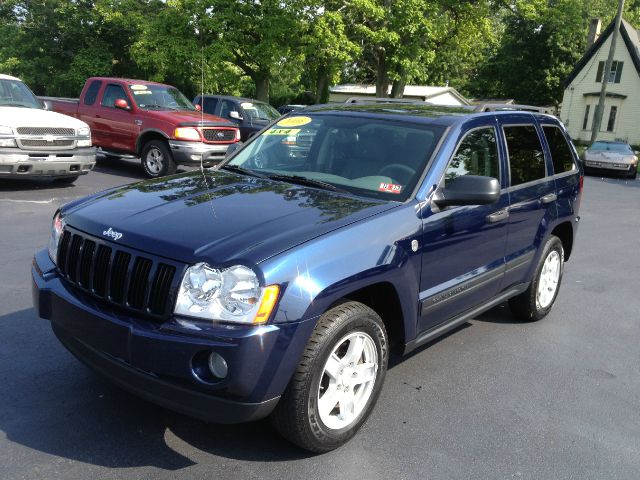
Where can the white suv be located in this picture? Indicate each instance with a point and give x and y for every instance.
(35, 142)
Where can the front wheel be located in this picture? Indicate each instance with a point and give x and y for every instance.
(338, 380)
(536, 302)
(157, 160)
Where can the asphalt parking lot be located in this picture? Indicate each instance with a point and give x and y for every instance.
(495, 399)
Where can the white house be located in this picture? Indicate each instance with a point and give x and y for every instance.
(432, 95)
(621, 117)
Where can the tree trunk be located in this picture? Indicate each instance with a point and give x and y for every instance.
(397, 89)
(322, 85)
(262, 87)
(382, 78)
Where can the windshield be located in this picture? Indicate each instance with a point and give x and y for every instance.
(159, 97)
(259, 111)
(610, 147)
(376, 158)
(14, 93)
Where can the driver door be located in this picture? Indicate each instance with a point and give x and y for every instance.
(464, 246)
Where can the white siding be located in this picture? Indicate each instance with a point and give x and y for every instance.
(574, 103)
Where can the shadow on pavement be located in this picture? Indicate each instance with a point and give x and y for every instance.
(55, 405)
(20, 184)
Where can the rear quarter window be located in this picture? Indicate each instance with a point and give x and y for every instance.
(92, 92)
(560, 150)
(526, 158)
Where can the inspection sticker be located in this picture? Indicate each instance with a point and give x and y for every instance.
(390, 188)
(294, 121)
(282, 131)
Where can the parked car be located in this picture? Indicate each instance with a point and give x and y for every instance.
(284, 109)
(249, 115)
(277, 285)
(131, 118)
(36, 143)
(611, 157)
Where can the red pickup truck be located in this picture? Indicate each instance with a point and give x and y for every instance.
(153, 121)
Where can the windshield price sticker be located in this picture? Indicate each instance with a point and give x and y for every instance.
(142, 92)
(282, 131)
(390, 188)
(294, 122)
(138, 87)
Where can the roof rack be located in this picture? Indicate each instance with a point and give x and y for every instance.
(370, 100)
(500, 107)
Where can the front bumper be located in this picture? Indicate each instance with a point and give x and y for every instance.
(15, 162)
(158, 361)
(609, 166)
(192, 153)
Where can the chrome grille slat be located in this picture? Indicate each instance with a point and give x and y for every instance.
(45, 131)
(117, 275)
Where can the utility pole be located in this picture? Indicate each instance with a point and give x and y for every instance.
(597, 116)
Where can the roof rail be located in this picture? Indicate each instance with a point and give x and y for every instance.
(499, 107)
(366, 100)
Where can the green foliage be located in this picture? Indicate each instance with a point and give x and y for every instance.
(293, 50)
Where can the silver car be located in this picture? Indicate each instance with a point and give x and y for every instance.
(616, 157)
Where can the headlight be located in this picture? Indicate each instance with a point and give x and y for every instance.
(187, 133)
(57, 226)
(230, 295)
(83, 132)
(6, 131)
(84, 143)
(7, 142)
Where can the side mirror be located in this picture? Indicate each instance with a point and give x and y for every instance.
(47, 105)
(468, 190)
(235, 115)
(198, 107)
(122, 104)
(234, 147)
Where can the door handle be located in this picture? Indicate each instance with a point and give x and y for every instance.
(498, 216)
(551, 197)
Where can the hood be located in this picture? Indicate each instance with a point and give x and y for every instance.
(221, 218)
(33, 117)
(187, 117)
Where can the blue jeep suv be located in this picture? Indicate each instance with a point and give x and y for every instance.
(278, 282)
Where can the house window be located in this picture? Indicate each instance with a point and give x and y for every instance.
(614, 74)
(585, 121)
(612, 118)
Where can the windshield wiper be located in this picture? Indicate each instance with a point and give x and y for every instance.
(299, 180)
(244, 171)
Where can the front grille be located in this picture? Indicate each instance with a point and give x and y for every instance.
(45, 131)
(45, 143)
(117, 275)
(219, 134)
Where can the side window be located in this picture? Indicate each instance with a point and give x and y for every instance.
(92, 92)
(476, 155)
(111, 94)
(226, 108)
(559, 148)
(210, 105)
(526, 160)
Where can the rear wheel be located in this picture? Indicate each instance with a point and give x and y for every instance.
(536, 302)
(157, 160)
(338, 380)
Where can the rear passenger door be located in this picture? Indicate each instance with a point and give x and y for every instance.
(532, 194)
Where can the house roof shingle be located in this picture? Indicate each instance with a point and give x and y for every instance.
(631, 38)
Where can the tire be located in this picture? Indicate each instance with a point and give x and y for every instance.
(157, 160)
(634, 175)
(536, 302)
(66, 180)
(298, 416)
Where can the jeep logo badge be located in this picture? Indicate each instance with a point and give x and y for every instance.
(112, 233)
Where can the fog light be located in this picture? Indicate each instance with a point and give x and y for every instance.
(218, 365)
(196, 158)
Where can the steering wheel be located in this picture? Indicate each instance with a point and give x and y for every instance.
(260, 159)
(172, 104)
(404, 172)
